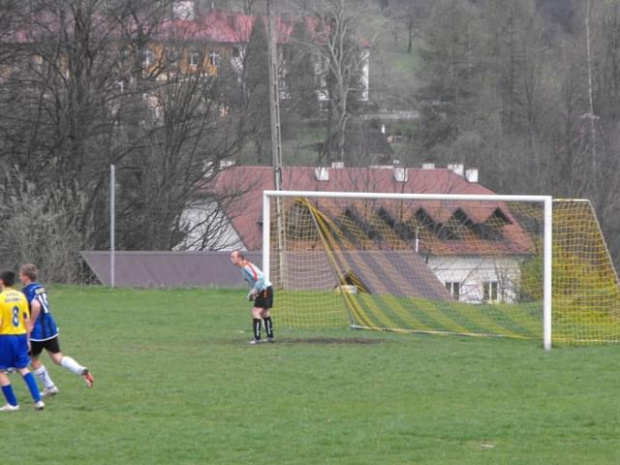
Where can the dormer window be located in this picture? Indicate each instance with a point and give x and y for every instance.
(321, 173)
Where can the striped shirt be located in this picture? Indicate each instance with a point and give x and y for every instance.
(44, 327)
(254, 277)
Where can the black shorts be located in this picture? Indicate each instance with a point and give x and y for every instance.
(264, 299)
(51, 345)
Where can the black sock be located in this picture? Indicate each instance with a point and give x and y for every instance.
(256, 327)
(268, 326)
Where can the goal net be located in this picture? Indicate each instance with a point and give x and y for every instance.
(442, 264)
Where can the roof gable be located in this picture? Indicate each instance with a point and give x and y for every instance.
(247, 183)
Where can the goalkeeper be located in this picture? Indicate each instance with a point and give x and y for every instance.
(261, 292)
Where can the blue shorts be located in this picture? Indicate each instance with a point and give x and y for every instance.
(14, 351)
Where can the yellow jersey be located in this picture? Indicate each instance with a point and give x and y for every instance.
(14, 312)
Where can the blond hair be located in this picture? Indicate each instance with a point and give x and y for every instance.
(30, 270)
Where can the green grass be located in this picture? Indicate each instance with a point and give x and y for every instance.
(176, 383)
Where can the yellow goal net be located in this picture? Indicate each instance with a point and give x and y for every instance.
(463, 265)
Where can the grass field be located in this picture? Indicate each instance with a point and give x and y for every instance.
(176, 383)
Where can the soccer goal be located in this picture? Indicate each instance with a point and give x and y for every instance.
(525, 267)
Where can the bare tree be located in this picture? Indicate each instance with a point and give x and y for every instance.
(341, 55)
(9, 12)
(410, 16)
(98, 83)
(56, 117)
(528, 93)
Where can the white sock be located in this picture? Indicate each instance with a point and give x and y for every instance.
(72, 365)
(43, 376)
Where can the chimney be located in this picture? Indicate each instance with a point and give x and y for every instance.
(183, 10)
(337, 164)
(428, 166)
(472, 175)
(458, 168)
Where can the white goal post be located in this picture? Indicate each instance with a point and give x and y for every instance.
(545, 201)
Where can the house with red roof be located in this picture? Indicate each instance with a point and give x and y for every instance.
(206, 39)
(474, 249)
(185, 42)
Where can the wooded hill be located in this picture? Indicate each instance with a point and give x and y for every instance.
(527, 91)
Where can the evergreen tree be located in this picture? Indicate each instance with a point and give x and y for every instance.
(301, 83)
(256, 93)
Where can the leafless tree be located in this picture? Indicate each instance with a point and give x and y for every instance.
(341, 54)
(91, 87)
(410, 16)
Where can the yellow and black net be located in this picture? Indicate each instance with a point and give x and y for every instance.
(444, 267)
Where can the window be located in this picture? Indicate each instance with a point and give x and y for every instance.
(490, 291)
(194, 58)
(125, 54)
(214, 59)
(236, 52)
(172, 55)
(148, 57)
(454, 288)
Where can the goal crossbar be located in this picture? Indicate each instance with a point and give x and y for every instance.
(545, 201)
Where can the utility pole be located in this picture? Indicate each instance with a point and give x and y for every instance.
(276, 141)
(274, 98)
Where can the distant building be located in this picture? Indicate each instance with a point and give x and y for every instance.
(183, 42)
(484, 266)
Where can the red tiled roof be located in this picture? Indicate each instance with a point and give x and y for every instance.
(225, 27)
(219, 27)
(250, 182)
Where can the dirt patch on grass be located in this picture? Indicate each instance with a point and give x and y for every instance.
(331, 340)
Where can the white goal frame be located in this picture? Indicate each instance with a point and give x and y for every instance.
(546, 200)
